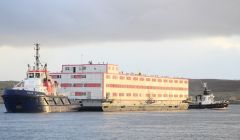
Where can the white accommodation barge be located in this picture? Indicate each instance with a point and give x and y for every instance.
(103, 87)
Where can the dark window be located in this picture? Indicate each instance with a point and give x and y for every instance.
(37, 75)
(31, 75)
(56, 76)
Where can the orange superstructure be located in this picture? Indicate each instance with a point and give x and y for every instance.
(138, 87)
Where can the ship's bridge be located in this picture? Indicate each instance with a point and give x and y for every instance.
(36, 73)
(34, 80)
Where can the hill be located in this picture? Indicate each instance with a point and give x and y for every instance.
(6, 84)
(222, 89)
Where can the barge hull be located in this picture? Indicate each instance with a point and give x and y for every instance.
(115, 106)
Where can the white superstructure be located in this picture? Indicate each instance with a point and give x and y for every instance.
(105, 81)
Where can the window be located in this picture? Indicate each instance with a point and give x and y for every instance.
(31, 75)
(115, 77)
(80, 93)
(159, 80)
(108, 76)
(121, 94)
(148, 79)
(67, 68)
(128, 94)
(78, 76)
(122, 77)
(141, 79)
(37, 75)
(159, 95)
(147, 95)
(135, 94)
(175, 81)
(128, 78)
(56, 76)
(84, 68)
(154, 80)
(135, 78)
(114, 94)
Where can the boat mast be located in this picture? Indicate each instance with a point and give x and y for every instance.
(37, 63)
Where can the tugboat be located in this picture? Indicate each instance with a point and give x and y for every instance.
(207, 101)
(37, 92)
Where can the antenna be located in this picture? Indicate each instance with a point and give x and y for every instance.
(37, 48)
(204, 84)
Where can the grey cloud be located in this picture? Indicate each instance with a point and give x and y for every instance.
(58, 22)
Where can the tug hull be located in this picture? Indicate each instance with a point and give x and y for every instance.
(209, 106)
(31, 101)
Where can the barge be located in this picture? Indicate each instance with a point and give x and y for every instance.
(104, 87)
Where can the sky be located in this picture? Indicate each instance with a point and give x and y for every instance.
(187, 38)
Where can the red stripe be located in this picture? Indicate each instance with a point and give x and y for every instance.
(37, 71)
(144, 87)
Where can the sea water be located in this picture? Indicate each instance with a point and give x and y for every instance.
(186, 125)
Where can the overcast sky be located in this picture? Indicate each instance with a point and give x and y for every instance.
(178, 38)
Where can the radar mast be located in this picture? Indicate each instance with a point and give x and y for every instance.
(37, 61)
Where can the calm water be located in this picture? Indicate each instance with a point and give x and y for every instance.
(191, 124)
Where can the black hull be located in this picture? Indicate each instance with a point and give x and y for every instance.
(91, 108)
(208, 106)
(31, 102)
